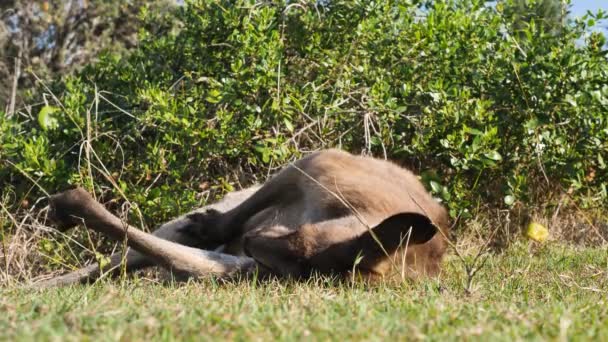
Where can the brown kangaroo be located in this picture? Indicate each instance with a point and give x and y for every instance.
(329, 213)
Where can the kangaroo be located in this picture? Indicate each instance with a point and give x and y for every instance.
(330, 213)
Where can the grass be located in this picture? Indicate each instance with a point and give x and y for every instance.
(551, 292)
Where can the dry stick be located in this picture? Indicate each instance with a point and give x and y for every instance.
(123, 264)
(105, 171)
(595, 229)
(117, 107)
(108, 177)
(81, 274)
(67, 237)
(564, 194)
(18, 226)
(16, 75)
(123, 256)
(281, 40)
(404, 255)
(87, 144)
(342, 200)
(470, 269)
(28, 177)
(4, 251)
(75, 277)
(106, 174)
(371, 122)
(4, 247)
(367, 226)
(87, 147)
(16, 249)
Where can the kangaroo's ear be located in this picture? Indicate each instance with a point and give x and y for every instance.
(395, 229)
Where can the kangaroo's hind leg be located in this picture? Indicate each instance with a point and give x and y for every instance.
(170, 231)
(277, 249)
(214, 227)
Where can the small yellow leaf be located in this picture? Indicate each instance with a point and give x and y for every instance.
(46, 119)
(537, 232)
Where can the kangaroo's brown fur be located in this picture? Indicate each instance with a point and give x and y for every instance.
(316, 215)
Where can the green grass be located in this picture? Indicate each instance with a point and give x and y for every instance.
(549, 293)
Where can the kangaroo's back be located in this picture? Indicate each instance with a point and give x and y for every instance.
(375, 188)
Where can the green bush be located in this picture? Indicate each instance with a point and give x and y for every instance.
(222, 89)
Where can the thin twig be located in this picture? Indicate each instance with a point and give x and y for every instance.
(28, 177)
(347, 205)
(117, 107)
(16, 75)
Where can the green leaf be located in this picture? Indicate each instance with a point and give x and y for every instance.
(436, 187)
(493, 155)
(214, 96)
(509, 200)
(600, 161)
(571, 100)
(288, 124)
(531, 124)
(472, 131)
(46, 119)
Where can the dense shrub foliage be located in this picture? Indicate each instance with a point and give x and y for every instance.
(221, 92)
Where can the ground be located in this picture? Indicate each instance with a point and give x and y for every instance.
(531, 292)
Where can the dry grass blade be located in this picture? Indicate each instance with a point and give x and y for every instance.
(350, 207)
